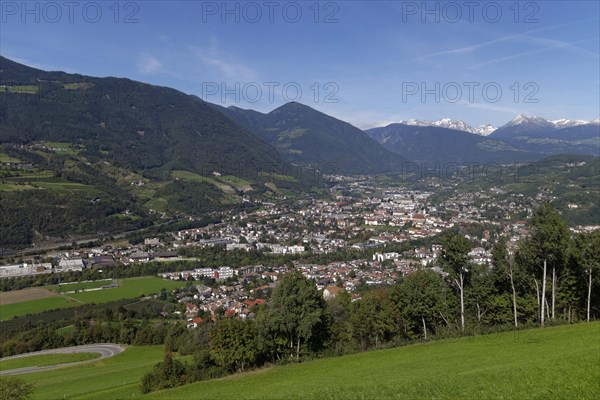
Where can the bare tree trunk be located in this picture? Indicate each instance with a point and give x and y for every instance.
(589, 299)
(553, 289)
(424, 327)
(537, 291)
(298, 349)
(514, 295)
(462, 303)
(547, 310)
(543, 295)
(444, 318)
(478, 311)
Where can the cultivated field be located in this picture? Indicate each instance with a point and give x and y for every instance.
(551, 363)
(129, 288)
(18, 296)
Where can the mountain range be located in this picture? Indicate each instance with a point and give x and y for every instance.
(305, 136)
(488, 129)
(91, 155)
(521, 139)
(482, 130)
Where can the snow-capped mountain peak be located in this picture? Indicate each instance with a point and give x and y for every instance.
(454, 124)
(449, 123)
(485, 130)
(529, 120)
(568, 123)
(415, 122)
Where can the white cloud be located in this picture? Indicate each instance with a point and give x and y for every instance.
(222, 65)
(524, 37)
(148, 64)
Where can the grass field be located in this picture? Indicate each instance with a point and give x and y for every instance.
(46, 359)
(29, 89)
(71, 287)
(110, 378)
(8, 311)
(5, 158)
(129, 288)
(551, 363)
(190, 176)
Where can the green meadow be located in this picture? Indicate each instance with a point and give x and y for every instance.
(109, 378)
(8, 311)
(128, 288)
(74, 286)
(552, 363)
(5, 158)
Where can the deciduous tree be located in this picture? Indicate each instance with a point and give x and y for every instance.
(296, 319)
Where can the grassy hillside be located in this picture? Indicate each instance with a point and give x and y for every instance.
(110, 378)
(558, 362)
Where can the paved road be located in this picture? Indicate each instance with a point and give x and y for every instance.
(104, 349)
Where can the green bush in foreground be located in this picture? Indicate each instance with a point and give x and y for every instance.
(166, 374)
(15, 389)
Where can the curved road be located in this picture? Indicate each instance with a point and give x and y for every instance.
(104, 349)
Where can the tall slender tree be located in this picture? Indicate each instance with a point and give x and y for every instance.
(546, 246)
(455, 260)
(587, 248)
(503, 262)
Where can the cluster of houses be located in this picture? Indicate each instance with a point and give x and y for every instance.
(227, 300)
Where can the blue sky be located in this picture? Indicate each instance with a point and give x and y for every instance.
(370, 63)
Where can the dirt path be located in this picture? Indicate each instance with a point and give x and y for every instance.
(104, 349)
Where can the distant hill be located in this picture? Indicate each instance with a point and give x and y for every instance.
(140, 126)
(432, 144)
(305, 136)
(570, 181)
